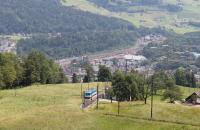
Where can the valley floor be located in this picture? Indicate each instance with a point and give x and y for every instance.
(57, 107)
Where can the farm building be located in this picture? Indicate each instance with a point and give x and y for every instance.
(194, 98)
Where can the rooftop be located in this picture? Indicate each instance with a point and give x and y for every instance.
(135, 57)
(197, 93)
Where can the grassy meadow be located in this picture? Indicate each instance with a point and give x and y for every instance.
(153, 17)
(57, 107)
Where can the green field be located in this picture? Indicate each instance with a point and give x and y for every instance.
(57, 107)
(153, 16)
(13, 38)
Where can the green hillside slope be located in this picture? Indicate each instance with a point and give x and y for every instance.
(172, 14)
(49, 16)
(57, 107)
(65, 31)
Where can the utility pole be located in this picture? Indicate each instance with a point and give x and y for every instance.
(188, 63)
(147, 88)
(168, 49)
(81, 90)
(126, 69)
(118, 107)
(83, 101)
(82, 95)
(97, 96)
(152, 87)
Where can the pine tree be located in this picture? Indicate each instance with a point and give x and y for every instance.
(74, 78)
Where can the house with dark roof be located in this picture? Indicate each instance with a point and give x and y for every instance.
(193, 98)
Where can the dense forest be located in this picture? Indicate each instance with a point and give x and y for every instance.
(76, 44)
(71, 31)
(80, 43)
(17, 71)
(50, 16)
(61, 31)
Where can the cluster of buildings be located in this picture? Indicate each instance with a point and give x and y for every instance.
(7, 46)
(123, 62)
(120, 62)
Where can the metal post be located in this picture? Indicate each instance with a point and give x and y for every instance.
(190, 80)
(83, 100)
(126, 71)
(152, 85)
(97, 96)
(118, 106)
(81, 90)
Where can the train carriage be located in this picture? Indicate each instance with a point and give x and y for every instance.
(90, 94)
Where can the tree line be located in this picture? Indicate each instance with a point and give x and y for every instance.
(104, 74)
(18, 71)
(185, 77)
(135, 86)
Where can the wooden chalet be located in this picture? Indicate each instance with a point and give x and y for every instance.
(193, 98)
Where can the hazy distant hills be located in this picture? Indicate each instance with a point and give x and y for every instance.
(61, 31)
(64, 29)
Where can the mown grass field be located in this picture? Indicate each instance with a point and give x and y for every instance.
(156, 18)
(57, 107)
